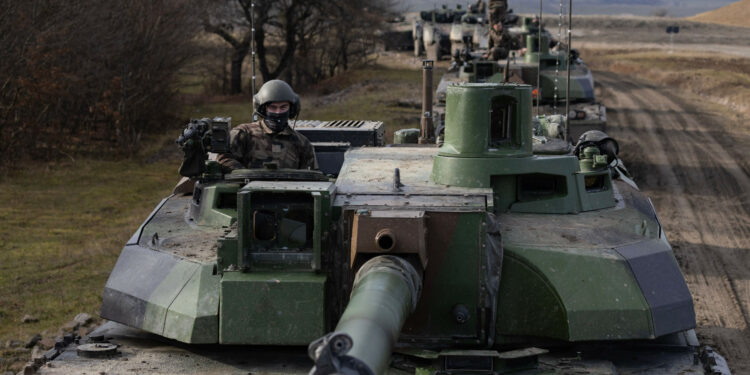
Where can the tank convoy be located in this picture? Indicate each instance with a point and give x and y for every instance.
(486, 255)
(440, 33)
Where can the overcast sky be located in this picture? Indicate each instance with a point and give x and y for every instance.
(674, 8)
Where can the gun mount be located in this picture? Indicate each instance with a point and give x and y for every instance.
(200, 137)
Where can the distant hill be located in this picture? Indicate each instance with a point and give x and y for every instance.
(673, 8)
(735, 14)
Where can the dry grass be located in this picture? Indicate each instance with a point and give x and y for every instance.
(735, 14)
(719, 79)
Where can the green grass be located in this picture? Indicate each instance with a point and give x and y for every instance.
(63, 228)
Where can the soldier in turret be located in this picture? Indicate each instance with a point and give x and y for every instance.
(501, 43)
(270, 139)
(479, 7)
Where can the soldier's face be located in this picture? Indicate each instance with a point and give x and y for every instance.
(277, 107)
(498, 26)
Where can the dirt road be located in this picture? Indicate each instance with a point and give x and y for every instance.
(694, 165)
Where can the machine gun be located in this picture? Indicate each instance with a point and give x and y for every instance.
(200, 137)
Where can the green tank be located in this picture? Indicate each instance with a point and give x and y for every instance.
(443, 15)
(550, 69)
(481, 256)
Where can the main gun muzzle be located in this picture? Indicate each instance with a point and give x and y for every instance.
(386, 290)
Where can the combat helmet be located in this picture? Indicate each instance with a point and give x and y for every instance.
(276, 91)
(597, 138)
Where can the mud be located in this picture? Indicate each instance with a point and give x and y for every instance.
(692, 162)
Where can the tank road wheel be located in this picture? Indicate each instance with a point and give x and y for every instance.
(433, 52)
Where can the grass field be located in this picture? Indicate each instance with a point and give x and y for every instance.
(63, 227)
(64, 223)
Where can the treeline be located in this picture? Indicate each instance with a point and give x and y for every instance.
(300, 41)
(87, 75)
(94, 75)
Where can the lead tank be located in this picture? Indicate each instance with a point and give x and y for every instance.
(479, 256)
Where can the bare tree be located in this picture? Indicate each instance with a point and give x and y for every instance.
(322, 34)
(80, 75)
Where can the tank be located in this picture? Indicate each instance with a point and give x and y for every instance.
(546, 66)
(447, 32)
(443, 15)
(480, 256)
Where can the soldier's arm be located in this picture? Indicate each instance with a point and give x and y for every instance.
(308, 160)
(517, 42)
(237, 147)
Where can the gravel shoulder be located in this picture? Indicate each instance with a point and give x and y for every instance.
(692, 162)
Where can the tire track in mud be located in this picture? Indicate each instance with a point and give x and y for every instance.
(699, 185)
(730, 178)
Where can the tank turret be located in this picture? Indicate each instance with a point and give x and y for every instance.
(488, 143)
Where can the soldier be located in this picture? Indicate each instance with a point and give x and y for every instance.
(501, 43)
(534, 24)
(498, 9)
(478, 7)
(270, 140)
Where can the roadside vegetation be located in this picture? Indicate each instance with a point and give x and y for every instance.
(723, 80)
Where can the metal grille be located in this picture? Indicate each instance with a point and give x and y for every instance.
(343, 124)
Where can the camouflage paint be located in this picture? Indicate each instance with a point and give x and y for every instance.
(162, 294)
(271, 308)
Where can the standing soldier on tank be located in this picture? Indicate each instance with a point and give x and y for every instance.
(501, 43)
(498, 9)
(479, 7)
(270, 140)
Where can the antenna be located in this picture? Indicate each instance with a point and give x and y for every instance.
(557, 60)
(567, 86)
(539, 61)
(252, 46)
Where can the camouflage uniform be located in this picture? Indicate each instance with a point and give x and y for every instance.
(498, 9)
(501, 43)
(253, 144)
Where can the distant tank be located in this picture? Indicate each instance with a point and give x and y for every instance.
(443, 15)
(526, 27)
(401, 33)
(443, 36)
(482, 256)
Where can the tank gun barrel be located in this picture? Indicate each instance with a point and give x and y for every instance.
(386, 290)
